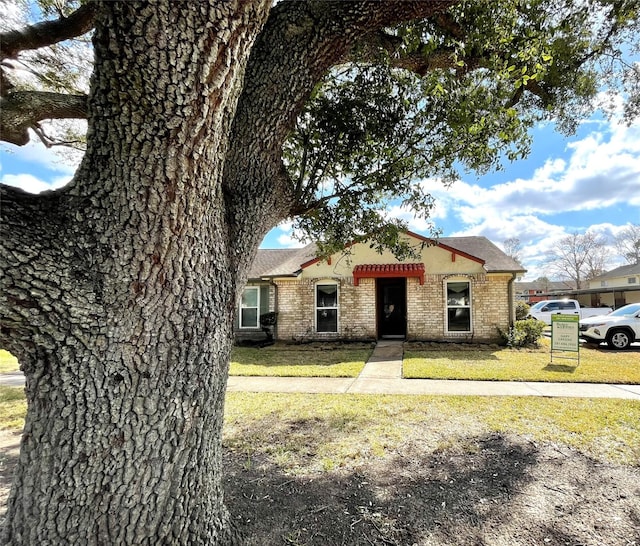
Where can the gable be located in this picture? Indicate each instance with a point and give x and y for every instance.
(446, 255)
(439, 258)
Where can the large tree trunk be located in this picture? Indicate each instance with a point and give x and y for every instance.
(121, 291)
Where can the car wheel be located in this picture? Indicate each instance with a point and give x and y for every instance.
(618, 339)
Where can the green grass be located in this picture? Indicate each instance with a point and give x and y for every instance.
(8, 362)
(13, 407)
(304, 432)
(323, 432)
(596, 365)
(300, 360)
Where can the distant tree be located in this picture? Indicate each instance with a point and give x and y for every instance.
(628, 243)
(513, 248)
(596, 261)
(578, 257)
(544, 282)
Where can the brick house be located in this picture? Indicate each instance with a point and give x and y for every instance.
(458, 289)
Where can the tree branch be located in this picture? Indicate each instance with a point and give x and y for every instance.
(372, 45)
(48, 33)
(32, 236)
(22, 110)
(299, 44)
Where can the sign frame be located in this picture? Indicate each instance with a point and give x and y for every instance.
(565, 336)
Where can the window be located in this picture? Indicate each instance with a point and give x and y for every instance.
(327, 308)
(249, 306)
(458, 307)
(631, 280)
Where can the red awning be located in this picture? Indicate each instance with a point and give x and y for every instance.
(376, 271)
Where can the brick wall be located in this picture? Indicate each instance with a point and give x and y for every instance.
(426, 312)
(358, 309)
(295, 306)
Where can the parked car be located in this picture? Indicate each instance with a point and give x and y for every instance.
(619, 329)
(545, 308)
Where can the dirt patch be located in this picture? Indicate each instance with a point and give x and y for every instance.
(501, 490)
(490, 490)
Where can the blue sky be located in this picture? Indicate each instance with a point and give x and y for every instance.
(587, 182)
(590, 181)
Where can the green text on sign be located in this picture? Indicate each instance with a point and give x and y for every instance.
(565, 333)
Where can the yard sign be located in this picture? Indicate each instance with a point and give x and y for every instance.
(565, 335)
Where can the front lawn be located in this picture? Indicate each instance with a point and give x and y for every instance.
(13, 408)
(8, 362)
(438, 470)
(503, 364)
(314, 360)
(329, 431)
(322, 432)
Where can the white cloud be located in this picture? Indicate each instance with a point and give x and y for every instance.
(289, 238)
(32, 184)
(590, 176)
(414, 222)
(560, 185)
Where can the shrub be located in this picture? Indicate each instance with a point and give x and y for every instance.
(522, 310)
(524, 333)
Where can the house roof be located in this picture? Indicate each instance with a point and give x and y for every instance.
(289, 262)
(495, 260)
(622, 271)
(280, 262)
(544, 286)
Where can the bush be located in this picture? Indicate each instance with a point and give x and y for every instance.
(524, 333)
(522, 310)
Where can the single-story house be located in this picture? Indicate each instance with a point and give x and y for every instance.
(455, 289)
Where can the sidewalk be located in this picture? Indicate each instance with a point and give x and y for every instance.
(382, 374)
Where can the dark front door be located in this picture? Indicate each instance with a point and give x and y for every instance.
(392, 307)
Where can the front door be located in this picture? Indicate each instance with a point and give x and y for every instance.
(392, 307)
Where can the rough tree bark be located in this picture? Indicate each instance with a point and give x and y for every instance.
(120, 289)
(121, 293)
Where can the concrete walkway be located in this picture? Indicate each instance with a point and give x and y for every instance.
(382, 374)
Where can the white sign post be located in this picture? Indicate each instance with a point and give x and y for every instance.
(565, 335)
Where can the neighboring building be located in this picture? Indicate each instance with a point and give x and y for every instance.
(613, 289)
(535, 291)
(619, 286)
(459, 289)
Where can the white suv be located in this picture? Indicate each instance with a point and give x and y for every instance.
(619, 328)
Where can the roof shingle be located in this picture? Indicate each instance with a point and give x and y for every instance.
(288, 262)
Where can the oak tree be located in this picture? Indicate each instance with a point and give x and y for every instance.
(208, 124)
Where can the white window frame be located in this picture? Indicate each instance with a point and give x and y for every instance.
(631, 280)
(448, 307)
(257, 308)
(317, 308)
